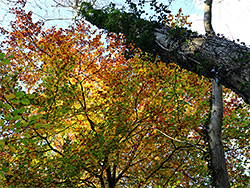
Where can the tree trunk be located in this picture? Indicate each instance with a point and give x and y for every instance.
(218, 162)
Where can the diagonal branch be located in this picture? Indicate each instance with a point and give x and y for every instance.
(201, 54)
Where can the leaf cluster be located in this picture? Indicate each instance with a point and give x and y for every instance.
(138, 30)
(135, 29)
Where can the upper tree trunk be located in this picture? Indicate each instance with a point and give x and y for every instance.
(210, 56)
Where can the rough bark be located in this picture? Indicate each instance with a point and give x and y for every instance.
(210, 56)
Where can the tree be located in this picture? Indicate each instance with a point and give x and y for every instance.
(183, 46)
(89, 117)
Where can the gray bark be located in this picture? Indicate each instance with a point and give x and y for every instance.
(218, 163)
(209, 56)
(208, 17)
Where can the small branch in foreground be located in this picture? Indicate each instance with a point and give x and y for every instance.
(174, 139)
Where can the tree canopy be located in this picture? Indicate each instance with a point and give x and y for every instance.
(88, 116)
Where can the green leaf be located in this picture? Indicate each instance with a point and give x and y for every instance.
(17, 117)
(31, 96)
(2, 143)
(32, 122)
(15, 101)
(1, 123)
(22, 110)
(1, 173)
(19, 94)
(46, 125)
(25, 101)
(1, 55)
(32, 140)
(25, 124)
(26, 135)
(11, 56)
(18, 130)
(38, 125)
(5, 61)
(15, 112)
(25, 142)
(5, 169)
(18, 124)
(38, 116)
(8, 118)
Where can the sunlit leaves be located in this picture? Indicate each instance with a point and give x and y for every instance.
(94, 114)
(95, 104)
(178, 20)
(19, 94)
(3, 60)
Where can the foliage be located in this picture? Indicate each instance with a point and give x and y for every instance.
(236, 138)
(178, 20)
(88, 117)
(137, 29)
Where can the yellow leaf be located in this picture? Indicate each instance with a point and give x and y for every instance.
(2, 143)
(8, 172)
(10, 96)
(12, 149)
(40, 131)
(1, 123)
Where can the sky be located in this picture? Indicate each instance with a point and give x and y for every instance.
(230, 17)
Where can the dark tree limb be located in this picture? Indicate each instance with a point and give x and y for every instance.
(210, 56)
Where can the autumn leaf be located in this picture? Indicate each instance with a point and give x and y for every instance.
(25, 101)
(96, 116)
(19, 94)
(10, 96)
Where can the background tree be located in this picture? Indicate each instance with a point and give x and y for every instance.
(103, 136)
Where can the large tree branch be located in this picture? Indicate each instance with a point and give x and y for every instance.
(210, 56)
